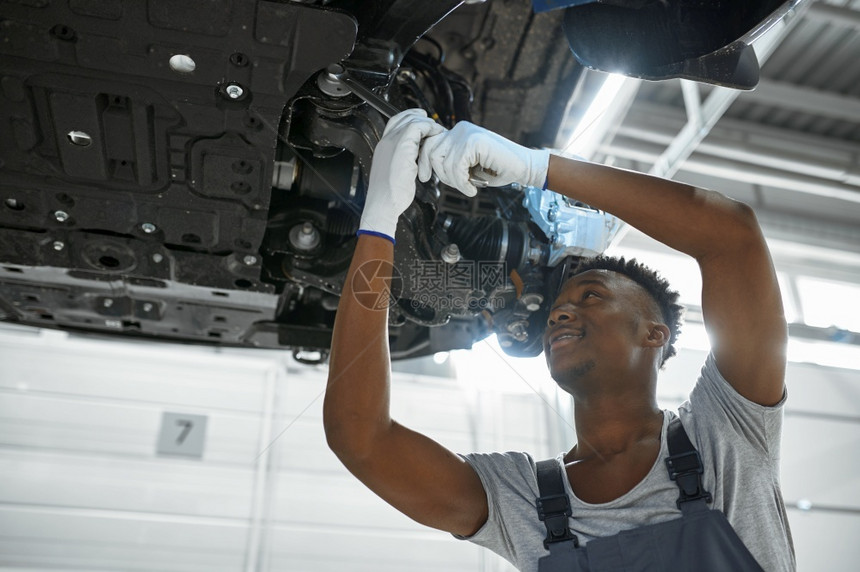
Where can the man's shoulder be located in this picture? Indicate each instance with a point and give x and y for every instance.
(512, 471)
(718, 416)
(518, 460)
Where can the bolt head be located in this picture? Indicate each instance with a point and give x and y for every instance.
(61, 216)
(250, 259)
(234, 91)
(59, 245)
(450, 254)
(532, 301)
(335, 71)
(157, 258)
(148, 227)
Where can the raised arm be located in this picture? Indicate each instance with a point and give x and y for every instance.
(741, 303)
(413, 473)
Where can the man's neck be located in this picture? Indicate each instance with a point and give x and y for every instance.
(608, 425)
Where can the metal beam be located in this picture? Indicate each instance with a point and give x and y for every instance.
(806, 100)
(799, 245)
(837, 15)
(697, 128)
(731, 170)
(798, 331)
(773, 148)
(702, 120)
(664, 121)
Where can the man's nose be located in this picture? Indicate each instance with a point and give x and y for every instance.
(563, 313)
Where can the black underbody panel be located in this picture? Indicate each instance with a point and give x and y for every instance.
(176, 170)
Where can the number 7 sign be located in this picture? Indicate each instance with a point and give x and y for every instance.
(181, 434)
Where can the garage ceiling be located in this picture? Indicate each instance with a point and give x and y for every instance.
(790, 148)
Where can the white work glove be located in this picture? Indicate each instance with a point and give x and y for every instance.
(392, 176)
(451, 155)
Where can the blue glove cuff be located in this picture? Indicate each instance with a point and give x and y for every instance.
(374, 233)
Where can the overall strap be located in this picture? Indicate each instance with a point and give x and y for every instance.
(685, 466)
(553, 505)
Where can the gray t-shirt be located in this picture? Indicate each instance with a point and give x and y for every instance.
(739, 444)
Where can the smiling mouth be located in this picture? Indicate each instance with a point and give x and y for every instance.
(565, 338)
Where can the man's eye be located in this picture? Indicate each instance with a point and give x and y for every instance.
(590, 294)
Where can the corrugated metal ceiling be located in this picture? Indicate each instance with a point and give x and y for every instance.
(817, 64)
(791, 147)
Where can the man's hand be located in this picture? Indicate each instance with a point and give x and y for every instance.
(392, 177)
(452, 154)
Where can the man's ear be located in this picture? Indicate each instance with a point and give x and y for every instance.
(658, 335)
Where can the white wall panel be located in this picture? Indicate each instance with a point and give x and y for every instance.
(826, 390)
(150, 373)
(825, 541)
(114, 427)
(820, 462)
(88, 539)
(168, 487)
(371, 551)
(81, 485)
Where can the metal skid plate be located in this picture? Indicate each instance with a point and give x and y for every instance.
(137, 152)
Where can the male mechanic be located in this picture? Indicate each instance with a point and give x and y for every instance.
(617, 503)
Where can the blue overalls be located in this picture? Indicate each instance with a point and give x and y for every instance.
(701, 540)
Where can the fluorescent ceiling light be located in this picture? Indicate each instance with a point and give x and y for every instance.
(609, 103)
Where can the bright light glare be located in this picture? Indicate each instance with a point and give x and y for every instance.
(586, 128)
(680, 270)
(827, 303)
(829, 354)
(788, 304)
(486, 367)
(694, 337)
(440, 357)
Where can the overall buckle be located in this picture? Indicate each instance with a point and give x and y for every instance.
(686, 470)
(554, 510)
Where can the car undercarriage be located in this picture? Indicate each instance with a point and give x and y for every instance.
(195, 172)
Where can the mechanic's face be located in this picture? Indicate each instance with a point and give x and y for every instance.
(597, 323)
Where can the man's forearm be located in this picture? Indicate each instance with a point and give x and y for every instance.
(356, 404)
(691, 220)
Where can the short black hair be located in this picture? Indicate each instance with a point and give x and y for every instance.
(657, 286)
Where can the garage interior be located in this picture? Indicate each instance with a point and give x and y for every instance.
(140, 455)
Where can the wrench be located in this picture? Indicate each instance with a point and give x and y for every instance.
(340, 80)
